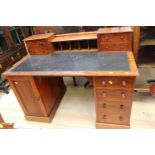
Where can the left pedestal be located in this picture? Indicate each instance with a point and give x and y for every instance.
(38, 96)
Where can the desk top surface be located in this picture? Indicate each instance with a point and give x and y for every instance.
(77, 64)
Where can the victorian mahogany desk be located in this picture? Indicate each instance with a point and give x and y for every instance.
(38, 84)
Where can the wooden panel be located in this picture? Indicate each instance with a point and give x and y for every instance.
(110, 94)
(28, 95)
(114, 104)
(75, 36)
(50, 89)
(113, 100)
(115, 39)
(115, 47)
(112, 118)
(136, 39)
(39, 44)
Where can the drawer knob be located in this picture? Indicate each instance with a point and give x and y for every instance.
(121, 118)
(123, 95)
(124, 83)
(16, 82)
(122, 37)
(103, 82)
(104, 105)
(122, 46)
(106, 38)
(107, 47)
(121, 106)
(104, 116)
(12, 58)
(104, 94)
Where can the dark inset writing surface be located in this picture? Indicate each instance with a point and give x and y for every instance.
(78, 61)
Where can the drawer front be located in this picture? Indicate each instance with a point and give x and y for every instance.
(111, 95)
(115, 47)
(117, 105)
(115, 82)
(112, 118)
(36, 43)
(116, 38)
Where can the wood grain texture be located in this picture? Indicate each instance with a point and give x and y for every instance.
(136, 40)
(75, 36)
(39, 44)
(113, 97)
(120, 41)
(37, 96)
(115, 30)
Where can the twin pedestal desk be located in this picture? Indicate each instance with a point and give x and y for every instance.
(38, 84)
(104, 57)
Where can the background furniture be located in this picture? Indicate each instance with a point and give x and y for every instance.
(12, 49)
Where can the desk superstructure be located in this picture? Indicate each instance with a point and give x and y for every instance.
(104, 57)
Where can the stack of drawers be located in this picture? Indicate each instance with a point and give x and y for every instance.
(115, 39)
(113, 99)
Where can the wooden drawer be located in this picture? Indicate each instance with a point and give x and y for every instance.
(37, 43)
(116, 38)
(115, 82)
(115, 47)
(112, 118)
(114, 105)
(111, 95)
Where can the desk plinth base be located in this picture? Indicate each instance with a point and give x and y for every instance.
(111, 126)
(49, 118)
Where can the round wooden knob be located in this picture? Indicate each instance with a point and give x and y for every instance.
(107, 47)
(104, 94)
(122, 37)
(124, 83)
(12, 58)
(123, 95)
(106, 38)
(16, 82)
(104, 105)
(104, 116)
(121, 118)
(121, 106)
(122, 46)
(103, 82)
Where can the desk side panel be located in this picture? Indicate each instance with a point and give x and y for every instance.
(50, 89)
(27, 95)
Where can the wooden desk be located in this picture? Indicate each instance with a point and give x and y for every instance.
(38, 84)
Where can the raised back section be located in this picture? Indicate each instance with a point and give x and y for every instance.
(105, 39)
(73, 42)
(39, 44)
(115, 39)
